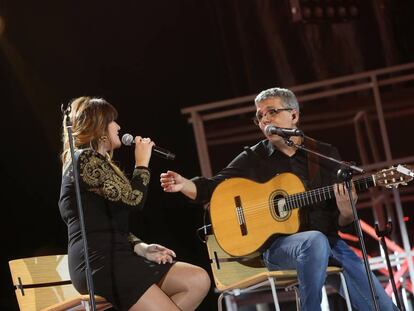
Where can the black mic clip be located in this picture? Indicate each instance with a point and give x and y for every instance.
(66, 112)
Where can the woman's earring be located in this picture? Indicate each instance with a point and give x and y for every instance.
(102, 139)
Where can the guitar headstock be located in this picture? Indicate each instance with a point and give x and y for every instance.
(394, 176)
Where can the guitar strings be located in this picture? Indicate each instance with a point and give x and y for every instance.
(303, 198)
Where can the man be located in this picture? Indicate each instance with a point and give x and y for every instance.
(317, 243)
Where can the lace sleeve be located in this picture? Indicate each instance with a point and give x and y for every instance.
(140, 181)
(99, 177)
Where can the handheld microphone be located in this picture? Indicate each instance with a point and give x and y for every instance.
(128, 140)
(284, 132)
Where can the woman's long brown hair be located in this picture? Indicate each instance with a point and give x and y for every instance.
(90, 118)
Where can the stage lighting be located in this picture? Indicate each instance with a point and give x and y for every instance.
(319, 11)
(2, 25)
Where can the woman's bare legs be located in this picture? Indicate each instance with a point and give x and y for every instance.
(154, 299)
(186, 285)
(182, 288)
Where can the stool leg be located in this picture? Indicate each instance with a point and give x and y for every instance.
(297, 298)
(86, 305)
(231, 304)
(346, 293)
(324, 302)
(274, 293)
(220, 302)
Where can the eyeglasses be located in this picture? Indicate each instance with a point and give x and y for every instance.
(271, 112)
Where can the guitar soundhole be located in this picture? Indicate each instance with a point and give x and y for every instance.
(278, 206)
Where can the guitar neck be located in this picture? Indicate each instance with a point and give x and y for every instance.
(322, 194)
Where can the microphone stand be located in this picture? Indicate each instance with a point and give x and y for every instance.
(89, 280)
(345, 174)
(382, 234)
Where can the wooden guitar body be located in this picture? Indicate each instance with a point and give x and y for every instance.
(245, 214)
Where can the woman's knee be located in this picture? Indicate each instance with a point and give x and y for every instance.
(187, 277)
(200, 280)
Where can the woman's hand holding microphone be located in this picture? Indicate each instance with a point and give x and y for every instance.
(143, 150)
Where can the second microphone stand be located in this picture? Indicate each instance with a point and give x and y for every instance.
(345, 174)
(382, 234)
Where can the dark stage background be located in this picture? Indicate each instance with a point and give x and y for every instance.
(150, 59)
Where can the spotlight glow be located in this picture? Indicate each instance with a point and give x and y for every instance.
(2, 25)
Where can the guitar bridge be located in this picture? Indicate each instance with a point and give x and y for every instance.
(240, 215)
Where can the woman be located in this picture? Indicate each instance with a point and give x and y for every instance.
(129, 273)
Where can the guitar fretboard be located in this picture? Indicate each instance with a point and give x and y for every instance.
(322, 194)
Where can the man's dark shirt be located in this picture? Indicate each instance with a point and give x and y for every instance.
(263, 161)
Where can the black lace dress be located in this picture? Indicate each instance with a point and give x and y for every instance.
(119, 275)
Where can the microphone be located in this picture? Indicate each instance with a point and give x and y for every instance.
(284, 132)
(128, 140)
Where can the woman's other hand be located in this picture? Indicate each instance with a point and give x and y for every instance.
(155, 252)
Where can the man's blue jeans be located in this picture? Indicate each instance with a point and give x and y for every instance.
(308, 252)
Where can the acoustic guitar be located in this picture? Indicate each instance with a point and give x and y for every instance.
(246, 214)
